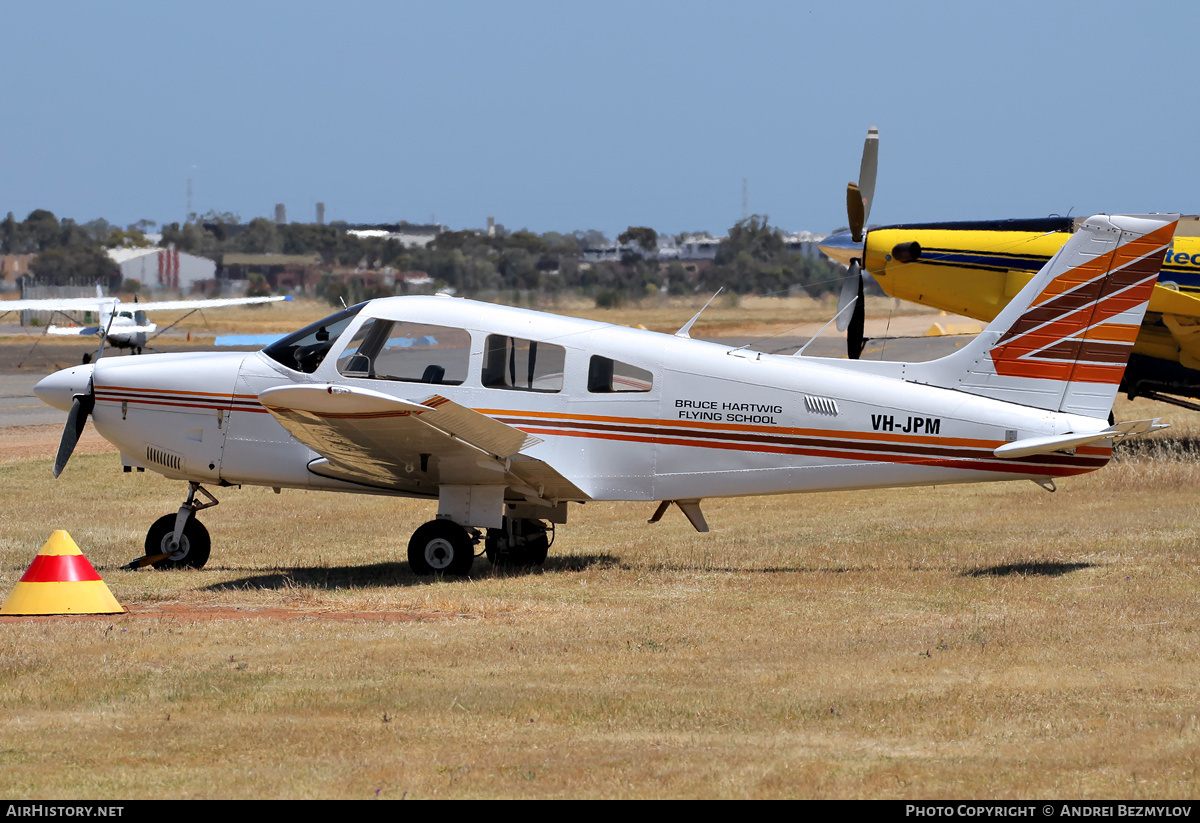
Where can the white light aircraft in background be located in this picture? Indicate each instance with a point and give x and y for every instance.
(507, 416)
(123, 325)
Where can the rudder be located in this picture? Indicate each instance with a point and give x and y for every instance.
(1063, 342)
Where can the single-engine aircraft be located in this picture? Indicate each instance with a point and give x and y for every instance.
(124, 326)
(506, 416)
(974, 268)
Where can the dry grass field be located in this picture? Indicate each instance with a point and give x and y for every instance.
(992, 641)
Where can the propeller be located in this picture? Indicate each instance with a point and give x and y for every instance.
(858, 208)
(81, 407)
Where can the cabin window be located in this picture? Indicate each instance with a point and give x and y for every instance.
(607, 376)
(304, 350)
(522, 365)
(412, 352)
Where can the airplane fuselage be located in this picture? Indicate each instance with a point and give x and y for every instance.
(691, 419)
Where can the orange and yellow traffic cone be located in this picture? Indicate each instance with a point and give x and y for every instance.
(60, 580)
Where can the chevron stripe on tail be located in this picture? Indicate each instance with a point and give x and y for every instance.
(1063, 342)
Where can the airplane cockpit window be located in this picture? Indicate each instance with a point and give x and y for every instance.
(125, 314)
(606, 376)
(305, 349)
(140, 318)
(523, 365)
(412, 352)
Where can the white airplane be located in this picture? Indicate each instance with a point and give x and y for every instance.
(124, 326)
(506, 416)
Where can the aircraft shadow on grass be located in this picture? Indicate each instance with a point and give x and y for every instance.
(1028, 570)
(1158, 448)
(380, 575)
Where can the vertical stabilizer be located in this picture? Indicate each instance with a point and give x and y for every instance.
(1063, 342)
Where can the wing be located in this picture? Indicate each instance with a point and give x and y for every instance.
(375, 439)
(169, 305)
(96, 304)
(99, 304)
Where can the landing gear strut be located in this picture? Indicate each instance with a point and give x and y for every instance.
(179, 541)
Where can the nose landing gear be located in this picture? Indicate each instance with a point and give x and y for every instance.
(179, 541)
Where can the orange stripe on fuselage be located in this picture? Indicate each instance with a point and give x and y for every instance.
(736, 427)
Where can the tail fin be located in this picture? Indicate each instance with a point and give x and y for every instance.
(1063, 342)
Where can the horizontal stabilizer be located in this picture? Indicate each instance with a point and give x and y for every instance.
(1061, 442)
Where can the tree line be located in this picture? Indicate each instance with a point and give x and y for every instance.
(752, 258)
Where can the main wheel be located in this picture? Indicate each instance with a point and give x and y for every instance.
(532, 543)
(441, 546)
(194, 543)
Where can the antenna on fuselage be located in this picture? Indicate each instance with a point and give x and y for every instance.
(841, 311)
(688, 325)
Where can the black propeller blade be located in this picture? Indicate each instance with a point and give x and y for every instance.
(858, 208)
(76, 420)
(855, 341)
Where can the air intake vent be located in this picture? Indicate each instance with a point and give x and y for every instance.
(821, 405)
(164, 458)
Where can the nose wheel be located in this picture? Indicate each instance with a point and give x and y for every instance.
(191, 552)
(179, 541)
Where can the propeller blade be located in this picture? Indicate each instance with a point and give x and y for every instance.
(76, 420)
(855, 341)
(855, 212)
(849, 293)
(868, 169)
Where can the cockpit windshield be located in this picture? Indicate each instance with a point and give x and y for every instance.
(305, 349)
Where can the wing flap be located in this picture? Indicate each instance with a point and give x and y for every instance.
(477, 429)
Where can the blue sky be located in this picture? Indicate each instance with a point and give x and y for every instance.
(575, 115)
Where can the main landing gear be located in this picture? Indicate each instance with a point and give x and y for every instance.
(179, 541)
(443, 546)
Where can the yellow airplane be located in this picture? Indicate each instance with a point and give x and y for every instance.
(974, 268)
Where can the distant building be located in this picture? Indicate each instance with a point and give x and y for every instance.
(283, 272)
(804, 242)
(409, 235)
(12, 268)
(169, 269)
(611, 253)
(698, 247)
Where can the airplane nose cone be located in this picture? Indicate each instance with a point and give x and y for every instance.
(59, 389)
(841, 247)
